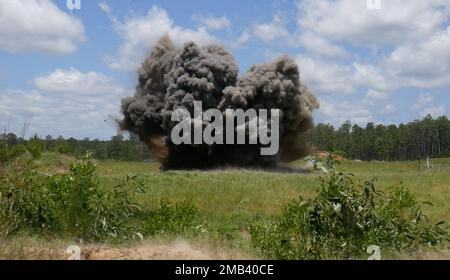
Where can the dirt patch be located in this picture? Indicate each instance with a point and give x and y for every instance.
(158, 250)
(324, 155)
(146, 250)
(149, 251)
(430, 254)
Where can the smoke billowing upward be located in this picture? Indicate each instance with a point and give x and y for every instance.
(172, 78)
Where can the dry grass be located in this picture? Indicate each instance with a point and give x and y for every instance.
(37, 249)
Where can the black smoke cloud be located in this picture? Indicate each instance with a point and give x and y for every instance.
(172, 78)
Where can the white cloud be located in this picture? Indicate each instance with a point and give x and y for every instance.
(371, 76)
(242, 40)
(388, 109)
(339, 112)
(417, 32)
(38, 26)
(435, 111)
(422, 65)
(212, 23)
(376, 95)
(326, 77)
(425, 64)
(425, 99)
(320, 45)
(426, 105)
(380, 100)
(351, 21)
(23, 103)
(74, 81)
(268, 32)
(140, 33)
(105, 7)
(66, 102)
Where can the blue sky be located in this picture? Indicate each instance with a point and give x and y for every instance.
(67, 70)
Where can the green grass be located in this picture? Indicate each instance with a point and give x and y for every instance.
(433, 187)
(230, 200)
(226, 192)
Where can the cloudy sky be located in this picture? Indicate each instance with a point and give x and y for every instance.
(67, 70)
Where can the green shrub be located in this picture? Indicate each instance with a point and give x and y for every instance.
(344, 218)
(61, 146)
(7, 153)
(35, 146)
(71, 204)
(172, 218)
(4, 152)
(17, 150)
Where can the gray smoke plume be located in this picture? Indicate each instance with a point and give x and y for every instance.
(172, 78)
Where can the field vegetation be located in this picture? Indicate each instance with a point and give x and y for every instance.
(52, 198)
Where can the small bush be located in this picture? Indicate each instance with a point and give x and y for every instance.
(61, 146)
(17, 150)
(346, 216)
(35, 146)
(8, 153)
(172, 217)
(71, 204)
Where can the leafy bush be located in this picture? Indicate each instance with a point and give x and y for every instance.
(61, 146)
(344, 218)
(7, 152)
(35, 146)
(172, 217)
(70, 204)
(17, 150)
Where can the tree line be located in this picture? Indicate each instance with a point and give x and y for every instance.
(117, 148)
(423, 138)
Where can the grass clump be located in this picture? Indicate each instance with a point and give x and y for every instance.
(70, 204)
(345, 217)
(172, 217)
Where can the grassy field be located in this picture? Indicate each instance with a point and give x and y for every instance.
(248, 193)
(230, 200)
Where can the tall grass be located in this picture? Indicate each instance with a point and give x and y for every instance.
(345, 217)
(172, 218)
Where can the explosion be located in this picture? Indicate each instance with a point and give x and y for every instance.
(172, 78)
